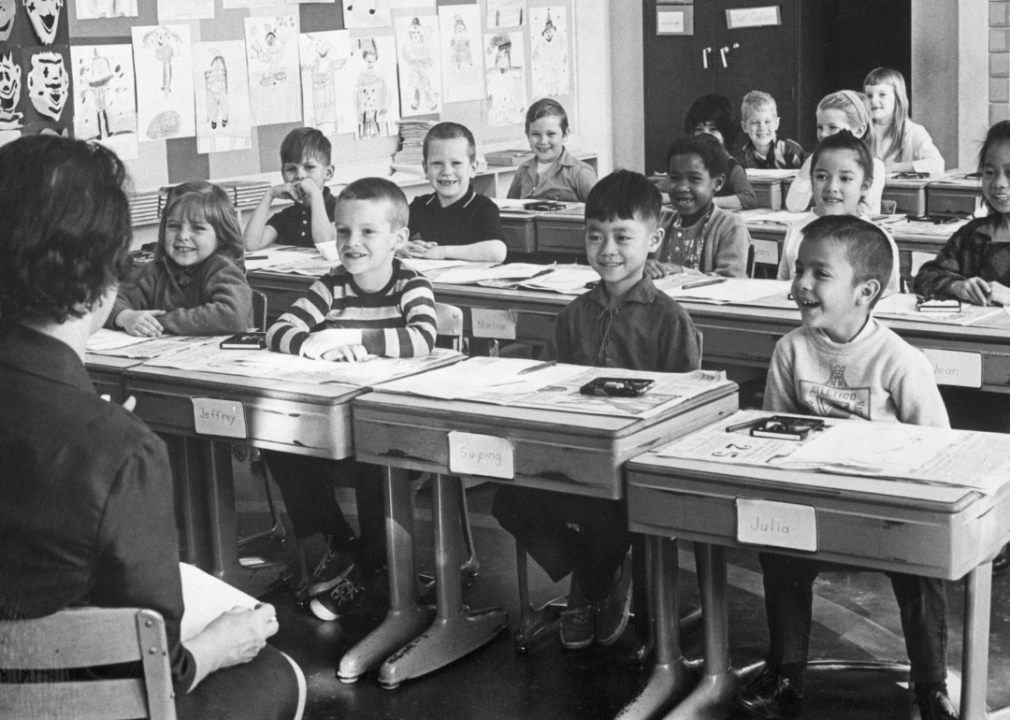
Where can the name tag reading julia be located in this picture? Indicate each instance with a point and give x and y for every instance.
(778, 524)
(212, 416)
(487, 455)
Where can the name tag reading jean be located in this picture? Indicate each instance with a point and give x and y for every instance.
(777, 524)
(487, 455)
(212, 416)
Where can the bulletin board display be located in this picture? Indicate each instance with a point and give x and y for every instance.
(188, 89)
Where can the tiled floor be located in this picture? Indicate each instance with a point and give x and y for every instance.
(855, 618)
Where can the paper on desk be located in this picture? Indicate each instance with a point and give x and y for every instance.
(565, 279)
(782, 217)
(515, 206)
(776, 173)
(145, 348)
(738, 291)
(104, 340)
(267, 258)
(512, 271)
(205, 599)
(901, 306)
(488, 379)
(426, 266)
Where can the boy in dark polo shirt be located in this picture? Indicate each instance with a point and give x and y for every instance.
(454, 222)
(305, 165)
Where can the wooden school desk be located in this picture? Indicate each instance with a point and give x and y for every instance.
(944, 532)
(278, 415)
(908, 194)
(520, 232)
(957, 193)
(552, 449)
(106, 373)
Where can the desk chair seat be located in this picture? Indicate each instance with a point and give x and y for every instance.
(87, 638)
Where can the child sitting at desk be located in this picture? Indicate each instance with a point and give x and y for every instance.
(306, 168)
(195, 284)
(903, 145)
(842, 363)
(700, 237)
(372, 304)
(454, 222)
(714, 116)
(552, 173)
(764, 149)
(623, 322)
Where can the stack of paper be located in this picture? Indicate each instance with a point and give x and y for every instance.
(115, 343)
(412, 134)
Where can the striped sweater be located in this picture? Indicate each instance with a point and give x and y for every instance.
(397, 321)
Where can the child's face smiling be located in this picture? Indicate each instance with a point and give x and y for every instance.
(449, 168)
(366, 241)
(617, 250)
(825, 290)
(692, 187)
(188, 240)
(546, 138)
(833, 120)
(996, 177)
(761, 125)
(839, 183)
(881, 103)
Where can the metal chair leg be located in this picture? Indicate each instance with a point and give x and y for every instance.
(535, 623)
(276, 530)
(471, 567)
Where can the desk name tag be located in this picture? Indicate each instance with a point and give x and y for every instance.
(952, 367)
(777, 524)
(225, 418)
(766, 252)
(497, 324)
(486, 455)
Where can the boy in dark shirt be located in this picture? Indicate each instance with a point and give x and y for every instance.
(623, 322)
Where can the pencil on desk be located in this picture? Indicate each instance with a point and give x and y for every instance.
(702, 283)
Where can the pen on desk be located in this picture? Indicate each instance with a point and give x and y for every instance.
(702, 283)
(743, 425)
(540, 366)
(256, 257)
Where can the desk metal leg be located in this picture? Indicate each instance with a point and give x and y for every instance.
(975, 660)
(405, 619)
(456, 631)
(718, 681)
(670, 677)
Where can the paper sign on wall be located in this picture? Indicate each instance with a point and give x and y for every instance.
(776, 524)
(497, 324)
(753, 17)
(225, 418)
(951, 367)
(485, 455)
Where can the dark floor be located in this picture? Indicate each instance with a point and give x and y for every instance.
(855, 618)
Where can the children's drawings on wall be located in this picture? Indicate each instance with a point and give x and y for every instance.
(45, 18)
(366, 13)
(272, 54)
(223, 118)
(417, 46)
(411, 4)
(8, 16)
(322, 55)
(10, 92)
(369, 86)
(506, 79)
(48, 84)
(549, 63)
(462, 58)
(93, 9)
(163, 56)
(104, 91)
(505, 13)
(173, 10)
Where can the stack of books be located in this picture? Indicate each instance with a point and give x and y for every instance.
(409, 156)
(516, 156)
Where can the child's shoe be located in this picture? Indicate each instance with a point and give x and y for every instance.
(578, 621)
(933, 701)
(612, 611)
(771, 695)
(343, 598)
(333, 566)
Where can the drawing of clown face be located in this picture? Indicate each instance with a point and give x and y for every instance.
(45, 17)
(48, 84)
(10, 89)
(7, 10)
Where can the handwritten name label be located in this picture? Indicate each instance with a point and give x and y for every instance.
(952, 367)
(766, 252)
(487, 455)
(785, 525)
(225, 418)
(498, 324)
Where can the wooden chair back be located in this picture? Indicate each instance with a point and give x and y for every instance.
(449, 326)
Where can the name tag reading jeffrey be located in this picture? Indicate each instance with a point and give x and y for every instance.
(487, 455)
(784, 525)
(225, 418)
(496, 324)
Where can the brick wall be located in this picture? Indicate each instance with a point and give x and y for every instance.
(999, 60)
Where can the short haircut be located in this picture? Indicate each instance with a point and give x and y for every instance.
(624, 195)
(706, 147)
(64, 227)
(199, 199)
(450, 131)
(547, 107)
(866, 246)
(715, 109)
(380, 190)
(844, 140)
(856, 107)
(305, 142)
(757, 100)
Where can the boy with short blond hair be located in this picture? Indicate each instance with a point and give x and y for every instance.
(306, 168)
(623, 322)
(842, 363)
(372, 304)
(759, 117)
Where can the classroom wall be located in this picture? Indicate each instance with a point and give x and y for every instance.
(627, 79)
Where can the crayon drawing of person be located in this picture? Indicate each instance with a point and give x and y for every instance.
(371, 93)
(506, 104)
(417, 56)
(460, 44)
(216, 79)
(165, 45)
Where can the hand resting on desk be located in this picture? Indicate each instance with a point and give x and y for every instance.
(318, 344)
(979, 292)
(140, 323)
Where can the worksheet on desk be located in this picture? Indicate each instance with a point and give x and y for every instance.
(903, 306)
(731, 291)
(117, 343)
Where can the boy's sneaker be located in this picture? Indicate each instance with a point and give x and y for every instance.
(772, 695)
(933, 702)
(612, 611)
(344, 597)
(333, 567)
(578, 621)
